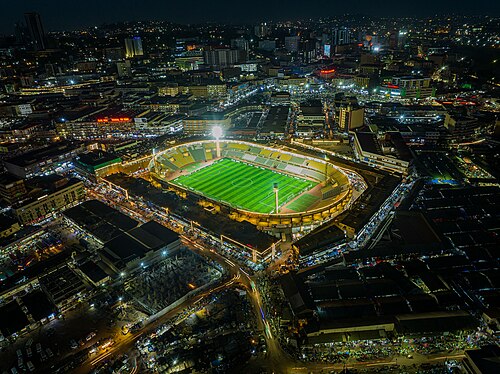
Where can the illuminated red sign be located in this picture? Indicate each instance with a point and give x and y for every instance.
(329, 71)
(113, 119)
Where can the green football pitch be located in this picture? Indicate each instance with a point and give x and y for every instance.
(243, 185)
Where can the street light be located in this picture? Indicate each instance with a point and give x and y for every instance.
(217, 133)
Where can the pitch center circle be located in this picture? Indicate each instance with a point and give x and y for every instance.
(243, 182)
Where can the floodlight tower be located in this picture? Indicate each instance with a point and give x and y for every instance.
(276, 189)
(217, 133)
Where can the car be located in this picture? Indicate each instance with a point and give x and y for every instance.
(29, 352)
(20, 362)
(108, 343)
(43, 356)
(31, 367)
(90, 336)
(29, 342)
(19, 353)
(49, 352)
(38, 347)
(14, 370)
(73, 344)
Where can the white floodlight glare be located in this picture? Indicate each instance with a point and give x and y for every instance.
(217, 132)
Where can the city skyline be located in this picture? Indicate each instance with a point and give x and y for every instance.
(60, 15)
(224, 187)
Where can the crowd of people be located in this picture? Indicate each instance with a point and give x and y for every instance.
(368, 350)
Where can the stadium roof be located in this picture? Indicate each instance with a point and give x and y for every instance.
(189, 210)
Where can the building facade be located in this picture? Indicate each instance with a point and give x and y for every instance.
(52, 202)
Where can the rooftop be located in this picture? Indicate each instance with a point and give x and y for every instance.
(93, 271)
(96, 159)
(100, 220)
(49, 152)
(368, 142)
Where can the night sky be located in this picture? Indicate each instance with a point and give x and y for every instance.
(70, 14)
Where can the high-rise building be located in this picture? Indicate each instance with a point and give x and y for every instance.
(350, 118)
(240, 43)
(402, 38)
(292, 43)
(35, 30)
(133, 47)
(183, 45)
(262, 30)
(124, 68)
(308, 50)
(267, 45)
(223, 57)
(341, 36)
(113, 54)
(12, 189)
(392, 39)
(21, 33)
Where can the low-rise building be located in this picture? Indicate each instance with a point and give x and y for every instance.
(50, 195)
(482, 361)
(40, 160)
(370, 150)
(93, 273)
(8, 226)
(140, 247)
(98, 164)
(311, 119)
(202, 125)
(281, 97)
(63, 286)
(408, 87)
(276, 122)
(12, 188)
(462, 128)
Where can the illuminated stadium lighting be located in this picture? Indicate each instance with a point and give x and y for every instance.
(276, 199)
(217, 132)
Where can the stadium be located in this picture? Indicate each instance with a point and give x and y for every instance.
(276, 190)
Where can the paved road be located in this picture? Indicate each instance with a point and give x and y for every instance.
(126, 342)
(276, 360)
